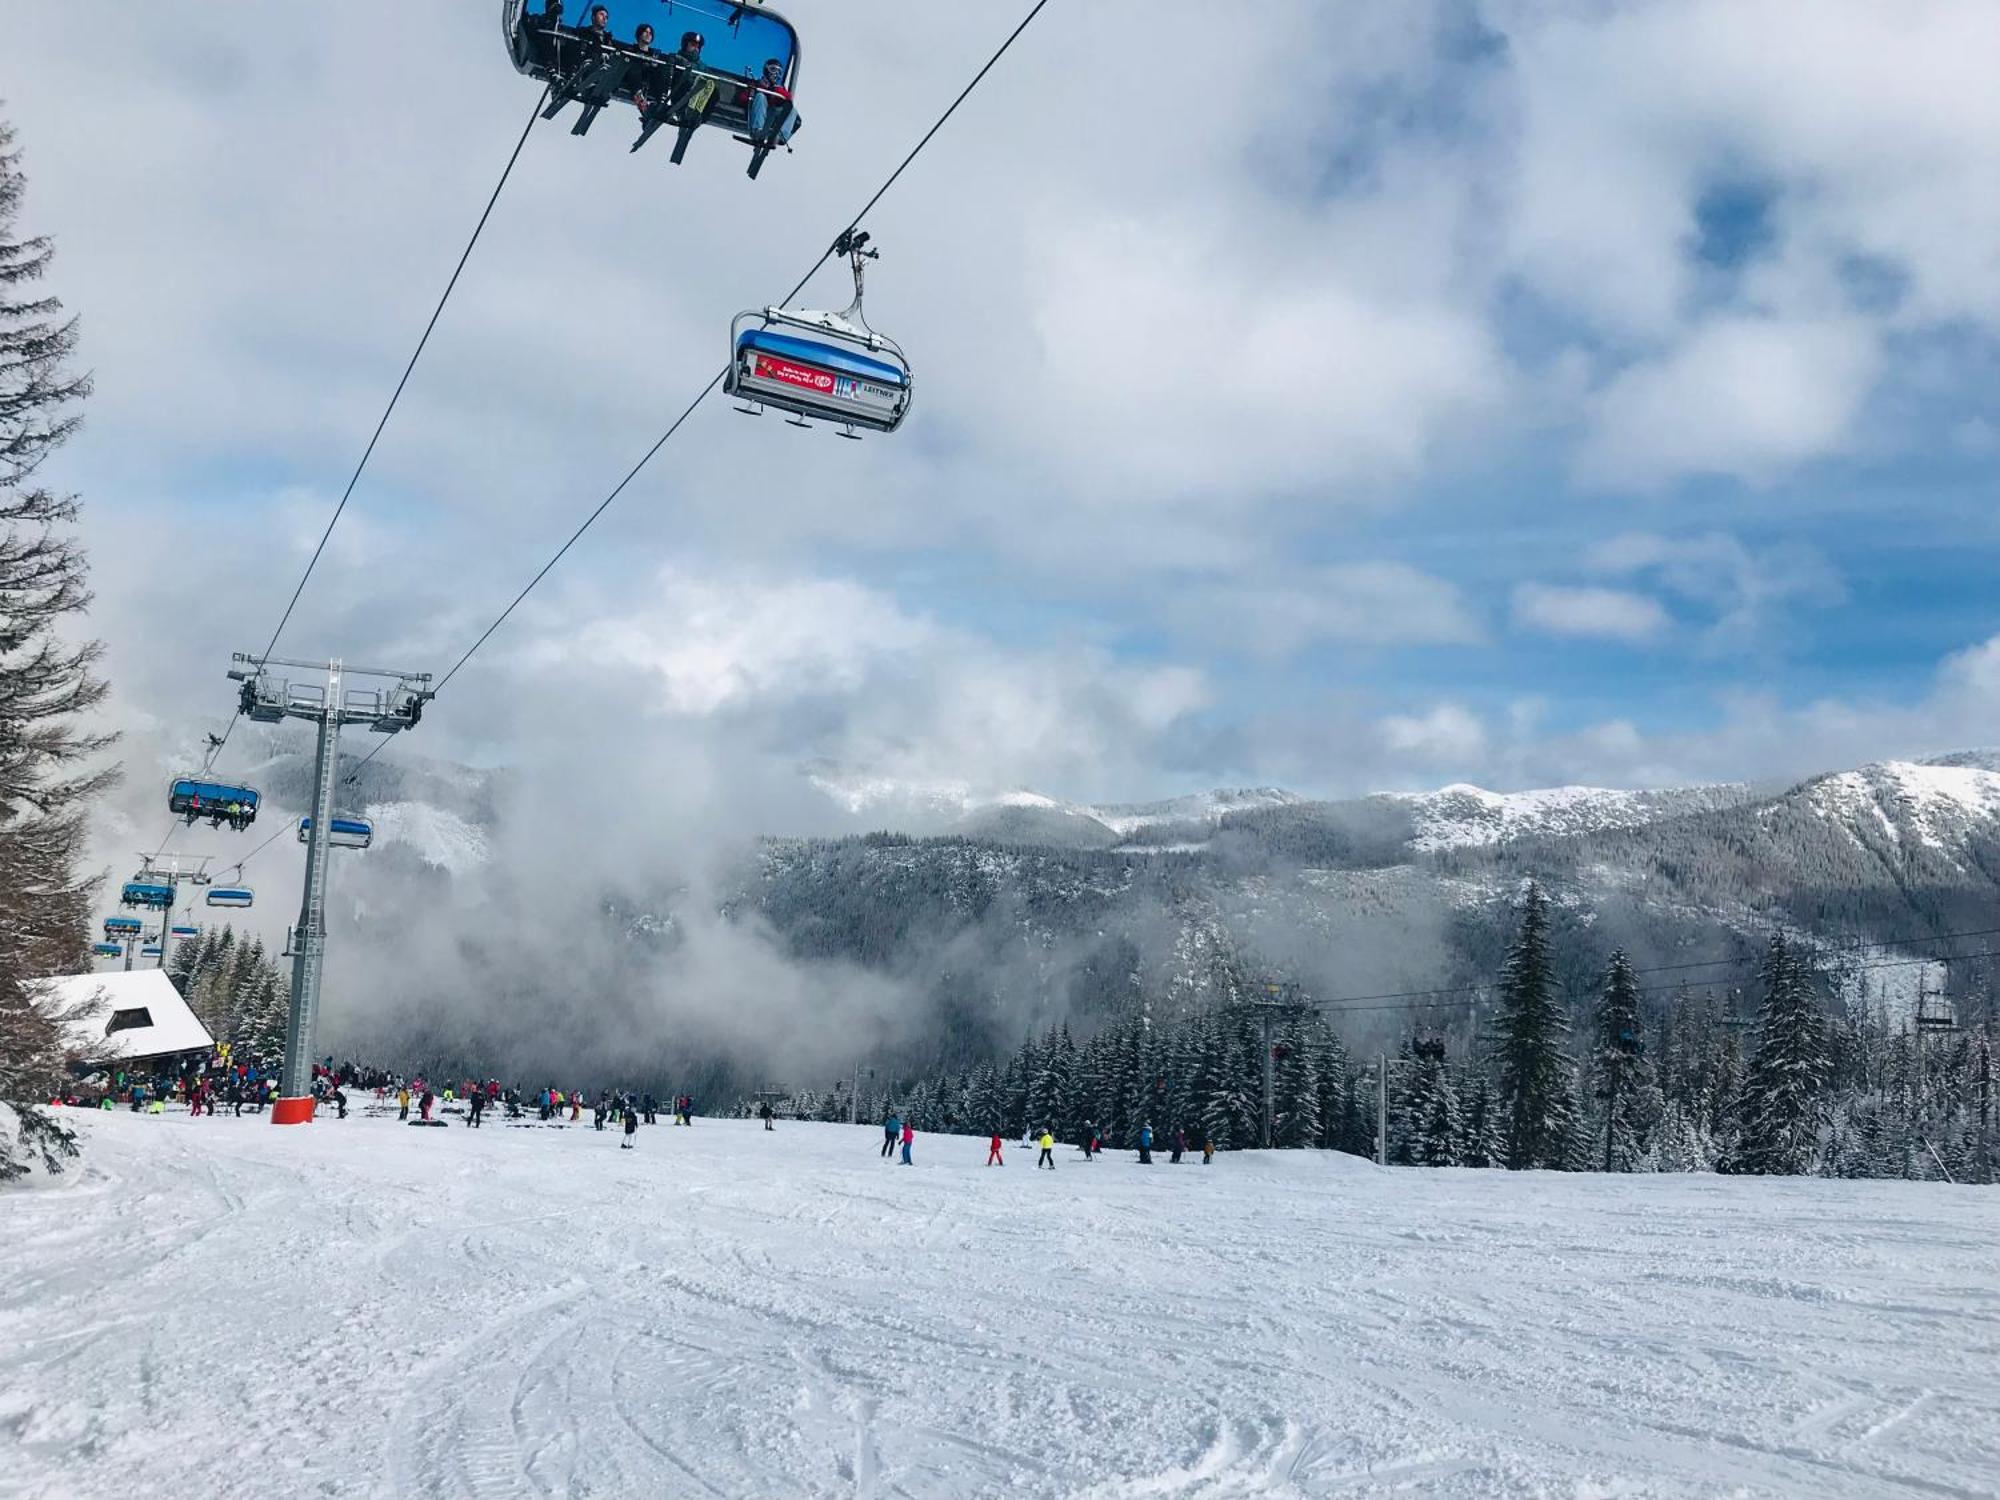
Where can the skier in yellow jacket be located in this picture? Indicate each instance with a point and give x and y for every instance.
(1048, 1157)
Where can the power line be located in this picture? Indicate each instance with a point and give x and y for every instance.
(1412, 1000)
(215, 749)
(716, 379)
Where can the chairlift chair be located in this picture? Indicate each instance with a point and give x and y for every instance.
(151, 950)
(108, 950)
(828, 365)
(342, 833)
(193, 799)
(720, 89)
(154, 895)
(231, 895)
(123, 927)
(183, 930)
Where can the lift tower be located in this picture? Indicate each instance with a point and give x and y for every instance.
(385, 710)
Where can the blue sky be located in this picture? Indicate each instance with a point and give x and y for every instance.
(1503, 392)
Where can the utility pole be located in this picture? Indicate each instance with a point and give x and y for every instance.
(385, 710)
(1382, 1109)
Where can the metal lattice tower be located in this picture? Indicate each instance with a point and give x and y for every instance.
(385, 710)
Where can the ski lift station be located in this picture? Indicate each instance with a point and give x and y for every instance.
(124, 1019)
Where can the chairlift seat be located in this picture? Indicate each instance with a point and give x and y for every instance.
(739, 38)
(231, 895)
(214, 797)
(815, 372)
(151, 894)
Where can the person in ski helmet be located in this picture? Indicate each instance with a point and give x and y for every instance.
(1048, 1156)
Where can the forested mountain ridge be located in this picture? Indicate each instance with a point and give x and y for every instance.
(1390, 894)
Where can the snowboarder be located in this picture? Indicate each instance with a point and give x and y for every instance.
(631, 1126)
(764, 1113)
(652, 1107)
(424, 1105)
(909, 1140)
(476, 1106)
(1207, 1151)
(339, 1103)
(1180, 1145)
(891, 1129)
(1048, 1156)
(993, 1157)
(597, 1115)
(1145, 1145)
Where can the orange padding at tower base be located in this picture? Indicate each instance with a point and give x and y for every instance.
(292, 1111)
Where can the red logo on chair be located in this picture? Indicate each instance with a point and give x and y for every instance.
(791, 374)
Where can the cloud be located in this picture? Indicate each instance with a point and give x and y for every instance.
(1351, 604)
(1745, 591)
(1448, 736)
(1609, 614)
(804, 669)
(1749, 397)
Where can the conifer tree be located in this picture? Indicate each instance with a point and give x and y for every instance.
(48, 681)
(1783, 1105)
(1333, 1088)
(1296, 1088)
(1483, 1145)
(1435, 1130)
(1536, 1095)
(1619, 1063)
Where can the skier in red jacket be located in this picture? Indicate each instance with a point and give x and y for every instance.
(993, 1158)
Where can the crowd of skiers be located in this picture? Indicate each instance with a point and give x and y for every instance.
(896, 1131)
(237, 1083)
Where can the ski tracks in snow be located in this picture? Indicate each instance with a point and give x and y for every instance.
(733, 1312)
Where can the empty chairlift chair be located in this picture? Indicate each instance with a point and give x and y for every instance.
(231, 895)
(821, 364)
(342, 833)
(182, 930)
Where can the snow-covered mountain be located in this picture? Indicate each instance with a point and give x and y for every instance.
(1007, 906)
(1460, 815)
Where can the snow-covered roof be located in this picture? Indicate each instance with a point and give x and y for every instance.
(123, 1017)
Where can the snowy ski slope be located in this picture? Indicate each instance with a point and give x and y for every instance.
(222, 1308)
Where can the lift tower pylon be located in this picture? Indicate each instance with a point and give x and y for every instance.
(385, 710)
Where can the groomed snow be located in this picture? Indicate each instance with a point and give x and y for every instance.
(223, 1308)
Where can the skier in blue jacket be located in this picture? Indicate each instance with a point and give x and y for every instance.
(1145, 1145)
(892, 1130)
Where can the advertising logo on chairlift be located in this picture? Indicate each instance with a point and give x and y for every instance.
(791, 374)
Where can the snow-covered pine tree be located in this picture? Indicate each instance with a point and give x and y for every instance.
(1626, 1093)
(1014, 1093)
(1296, 1088)
(47, 684)
(1434, 1130)
(1536, 1094)
(1482, 1144)
(1783, 1104)
(1333, 1086)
